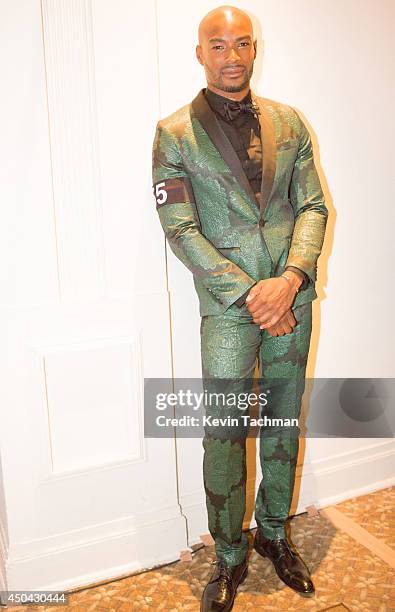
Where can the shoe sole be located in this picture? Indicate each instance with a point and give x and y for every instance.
(302, 593)
(242, 579)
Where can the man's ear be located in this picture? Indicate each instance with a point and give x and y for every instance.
(199, 54)
(255, 47)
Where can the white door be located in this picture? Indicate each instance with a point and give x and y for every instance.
(84, 297)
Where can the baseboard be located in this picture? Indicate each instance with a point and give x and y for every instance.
(321, 483)
(98, 560)
(346, 475)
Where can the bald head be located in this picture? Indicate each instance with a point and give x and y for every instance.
(221, 18)
(227, 51)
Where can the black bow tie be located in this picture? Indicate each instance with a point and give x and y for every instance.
(233, 109)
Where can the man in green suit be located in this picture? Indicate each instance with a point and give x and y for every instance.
(240, 202)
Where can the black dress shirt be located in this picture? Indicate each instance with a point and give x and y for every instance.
(243, 132)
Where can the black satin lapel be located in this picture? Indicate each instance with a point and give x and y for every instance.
(269, 153)
(210, 124)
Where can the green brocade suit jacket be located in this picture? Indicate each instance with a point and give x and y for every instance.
(210, 214)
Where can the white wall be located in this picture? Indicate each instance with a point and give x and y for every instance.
(84, 277)
(333, 63)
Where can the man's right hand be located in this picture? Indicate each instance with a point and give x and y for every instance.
(284, 326)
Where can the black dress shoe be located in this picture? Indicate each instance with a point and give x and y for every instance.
(220, 592)
(289, 566)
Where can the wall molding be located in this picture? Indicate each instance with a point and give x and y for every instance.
(73, 134)
(134, 344)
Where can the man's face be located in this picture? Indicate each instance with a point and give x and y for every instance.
(227, 51)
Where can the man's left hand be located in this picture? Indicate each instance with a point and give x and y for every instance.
(269, 299)
(284, 326)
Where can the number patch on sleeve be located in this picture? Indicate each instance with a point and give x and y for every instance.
(160, 193)
(173, 191)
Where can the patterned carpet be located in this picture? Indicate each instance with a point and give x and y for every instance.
(346, 574)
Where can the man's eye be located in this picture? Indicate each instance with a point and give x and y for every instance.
(218, 47)
(244, 44)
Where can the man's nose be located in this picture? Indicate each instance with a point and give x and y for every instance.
(233, 55)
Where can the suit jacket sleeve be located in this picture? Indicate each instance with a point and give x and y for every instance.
(309, 207)
(180, 221)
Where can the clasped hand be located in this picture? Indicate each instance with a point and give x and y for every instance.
(269, 303)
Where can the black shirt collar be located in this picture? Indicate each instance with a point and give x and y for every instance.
(217, 102)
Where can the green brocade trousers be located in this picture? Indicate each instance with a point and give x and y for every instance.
(230, 346)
